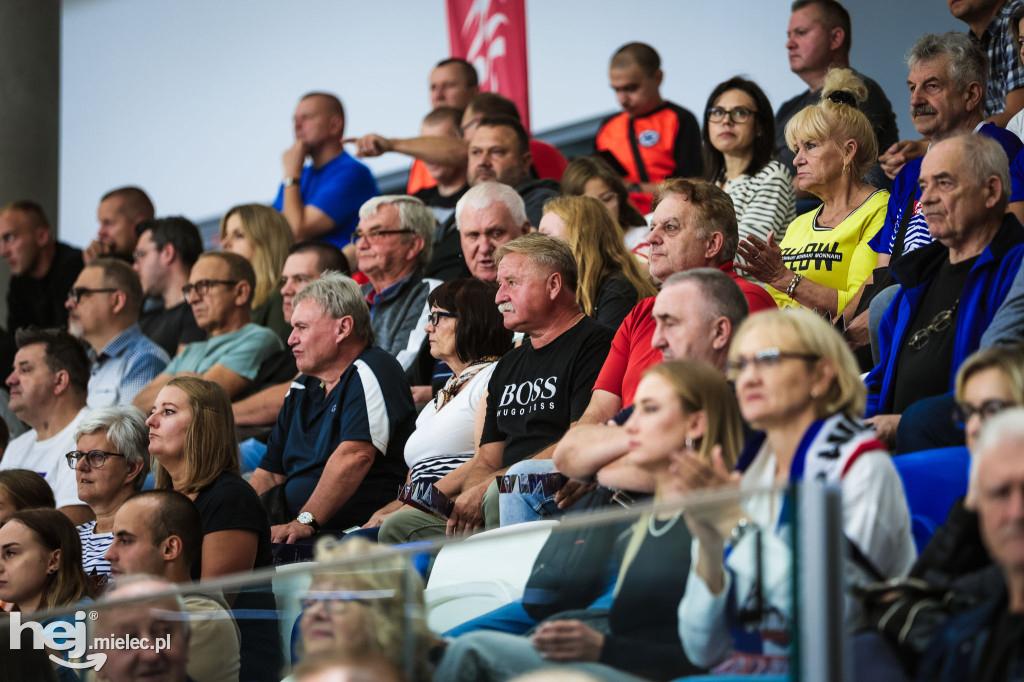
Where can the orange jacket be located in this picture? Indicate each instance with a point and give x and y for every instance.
(661, 144)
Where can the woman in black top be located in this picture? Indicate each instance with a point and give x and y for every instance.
(680, 405)
(192, 439)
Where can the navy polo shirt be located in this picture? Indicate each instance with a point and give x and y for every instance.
(372, 402)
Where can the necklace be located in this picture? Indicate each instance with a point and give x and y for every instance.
(656, 533)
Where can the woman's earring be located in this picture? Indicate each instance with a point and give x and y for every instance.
(689, 443)
(52, 571)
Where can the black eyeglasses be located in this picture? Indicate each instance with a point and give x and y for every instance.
(962, 412)
(374, 236)
(738, 114)
(202, 287)
(95, 458)
(939, 324)
(436, 315)
(76, 293)
(769, 357)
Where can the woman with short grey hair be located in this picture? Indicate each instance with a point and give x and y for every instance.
(111, 461)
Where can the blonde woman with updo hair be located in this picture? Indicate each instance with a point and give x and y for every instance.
(824, 257)
(610, 280)
(261, 235)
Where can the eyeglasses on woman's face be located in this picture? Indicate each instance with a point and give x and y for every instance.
(95, 458)
(769, 357)
(736, 114)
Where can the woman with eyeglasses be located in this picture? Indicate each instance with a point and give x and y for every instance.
(192, 440)
(369, 605)
(739, 142)
(954, 562)
(797, 381)
(824, 258)
(261, 235)
(111, 461)
(610, 280)
(990, 381)
(465, 332)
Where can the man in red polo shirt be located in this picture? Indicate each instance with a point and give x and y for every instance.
(694, 226)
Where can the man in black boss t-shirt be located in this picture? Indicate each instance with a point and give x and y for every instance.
(536, 391)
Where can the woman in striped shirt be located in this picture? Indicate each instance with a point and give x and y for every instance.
(111, 461)
(739, 141)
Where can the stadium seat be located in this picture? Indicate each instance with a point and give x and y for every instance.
(933, 480)
(485, 571)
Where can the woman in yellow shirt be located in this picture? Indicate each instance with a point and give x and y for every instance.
(825, 257)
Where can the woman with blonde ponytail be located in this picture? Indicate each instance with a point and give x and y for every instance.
(824, 257)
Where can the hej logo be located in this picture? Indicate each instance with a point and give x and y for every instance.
(60, 636)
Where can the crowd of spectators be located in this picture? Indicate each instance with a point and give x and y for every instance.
(722, 302)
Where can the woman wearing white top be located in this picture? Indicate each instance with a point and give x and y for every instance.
(739, 141)
(466, 332)
(798, 382)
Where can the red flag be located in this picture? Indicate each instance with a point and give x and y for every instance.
(491, 34)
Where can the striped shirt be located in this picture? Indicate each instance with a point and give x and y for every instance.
(764, 202)
(94, 547)
(1005, 71)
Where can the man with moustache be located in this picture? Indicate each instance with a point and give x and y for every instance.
(947, 89)
(537, 391)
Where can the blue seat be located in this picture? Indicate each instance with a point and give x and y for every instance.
(933, 480)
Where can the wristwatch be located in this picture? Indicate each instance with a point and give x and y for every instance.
(288, 182)
(307, 519)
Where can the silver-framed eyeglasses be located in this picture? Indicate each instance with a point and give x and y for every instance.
(769, 357)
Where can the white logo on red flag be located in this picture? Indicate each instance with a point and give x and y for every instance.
(491, 34)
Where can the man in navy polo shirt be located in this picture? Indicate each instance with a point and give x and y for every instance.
(337, 445)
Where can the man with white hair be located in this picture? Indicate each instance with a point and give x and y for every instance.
(337, 445)
(489, 215)
(950, 290)
(393, 242)
(984, 644)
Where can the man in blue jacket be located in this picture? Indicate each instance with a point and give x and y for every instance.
(984, 644)
(950, 290)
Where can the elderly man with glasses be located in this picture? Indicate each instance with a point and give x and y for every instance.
(949, 292)
(393, 242)
(219, 290)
